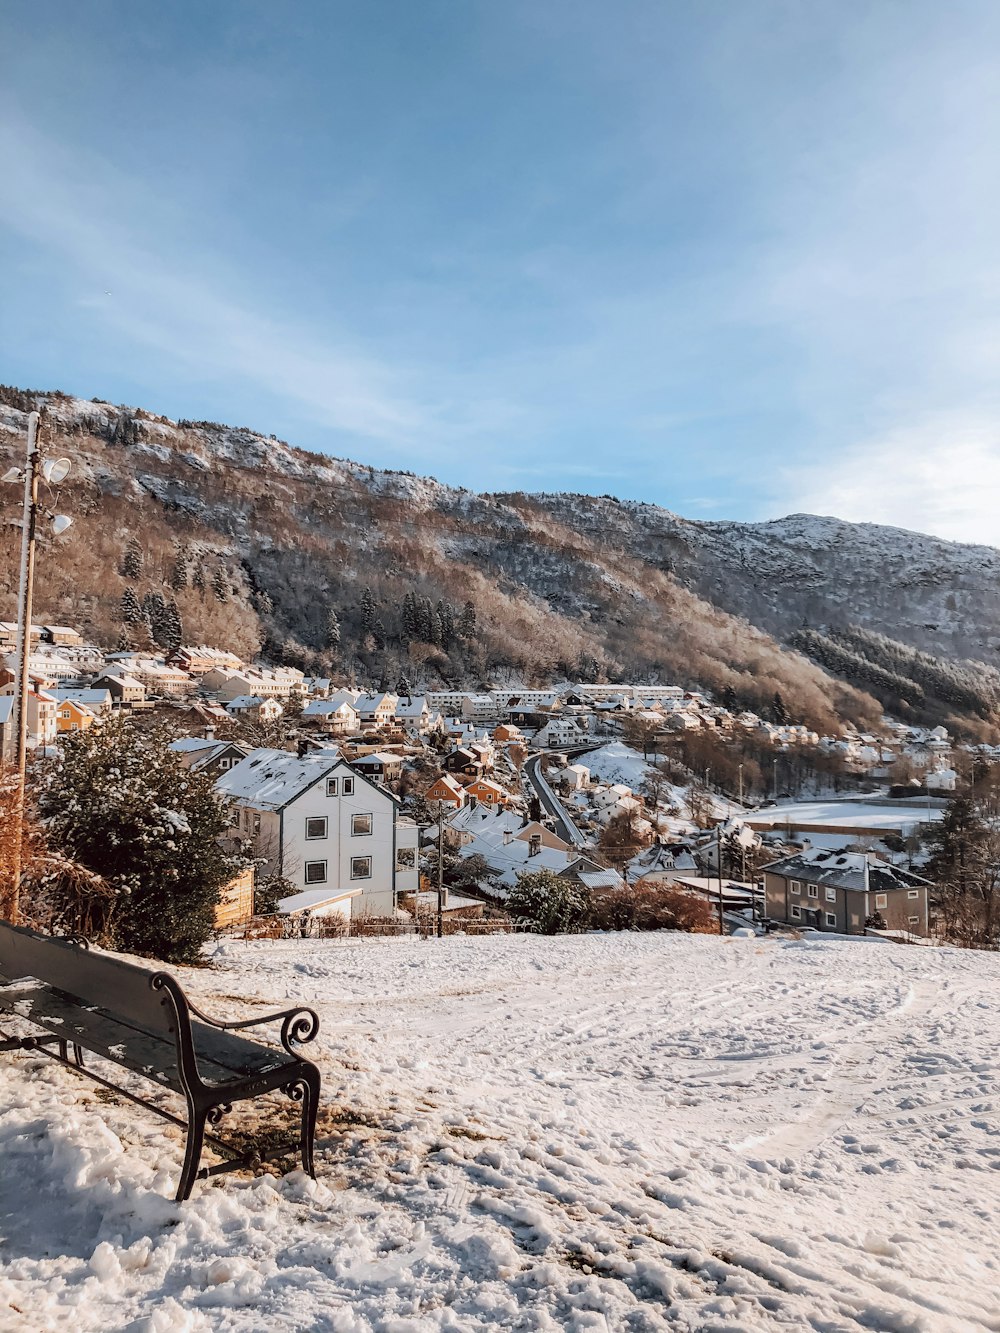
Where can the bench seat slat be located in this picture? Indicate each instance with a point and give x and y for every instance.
(222, 1056)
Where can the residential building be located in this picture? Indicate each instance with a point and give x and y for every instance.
(98, 700)
(380, 766)
(197, 661)
(335, 718)
(487, 793)
(8, 730)
(845, 892)
(125, 690)
(72, 716)
(322, 825)
(446, 791)
(255, 708)
(376, 710)
(61, 634)
(208, 755)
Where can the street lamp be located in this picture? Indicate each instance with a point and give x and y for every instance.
(52, 471)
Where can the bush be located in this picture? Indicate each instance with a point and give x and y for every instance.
(548, 905)
(648, 907)
(122, 805)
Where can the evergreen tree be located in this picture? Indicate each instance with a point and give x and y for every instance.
(779, 713)
(118, 801)
(378, 634)
(333, 632)
(131, 565)
(172, 631)
(403, 687)
(125, 644)
(198, 578)
(426, 620)
(410, 617)
(369, 612)
(181, 569)
(220, 585)
(131, 610)
(547, 904)
(467, 621)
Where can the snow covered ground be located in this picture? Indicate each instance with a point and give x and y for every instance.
(604, 1132)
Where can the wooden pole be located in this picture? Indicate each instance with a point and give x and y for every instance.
(25, 590)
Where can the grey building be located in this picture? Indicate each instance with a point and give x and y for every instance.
(842, 892)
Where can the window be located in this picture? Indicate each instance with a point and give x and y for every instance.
(361, 826)
(813, 890)
(348, 786)
(831, 919)
(316, 828)
(831, 895)
(913, 920)
(315, 872)
(796, 912)
(406, 858)
(361, 867)
(331, 786)
(795, 886)
(236, 817)
(256, 826)
(913, 893)
(881, 900)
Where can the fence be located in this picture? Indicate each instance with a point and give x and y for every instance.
(339, 928)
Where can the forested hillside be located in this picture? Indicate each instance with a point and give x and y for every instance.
(198, 531)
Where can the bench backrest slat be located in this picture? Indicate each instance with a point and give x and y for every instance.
(95, 978)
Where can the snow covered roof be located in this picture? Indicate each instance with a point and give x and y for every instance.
(192, 744)
(244, 701)
(845, 870)
(6, 709)
(269, 779)
(312, 899)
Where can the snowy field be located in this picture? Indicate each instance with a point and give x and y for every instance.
(603, 1132)
(845, 814)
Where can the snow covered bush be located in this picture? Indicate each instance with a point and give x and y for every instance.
(117, 801)
(547, 904)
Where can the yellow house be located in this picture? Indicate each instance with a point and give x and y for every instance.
(236, 900)
(73, 717)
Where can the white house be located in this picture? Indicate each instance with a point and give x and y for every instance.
(335, 716)
(254, 707)
(376, 710)
(318, 822)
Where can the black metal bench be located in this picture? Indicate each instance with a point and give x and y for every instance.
(89, 1001)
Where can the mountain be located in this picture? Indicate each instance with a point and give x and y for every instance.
(257, 542)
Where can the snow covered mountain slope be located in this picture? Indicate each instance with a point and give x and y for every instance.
(605, 1132)
(562, 584)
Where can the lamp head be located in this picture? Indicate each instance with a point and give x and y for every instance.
(60, 523)
(13, 474)
(55, 470)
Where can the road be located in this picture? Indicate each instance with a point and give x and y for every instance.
(565, 828)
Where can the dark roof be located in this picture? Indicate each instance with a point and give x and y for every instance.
(845, 870)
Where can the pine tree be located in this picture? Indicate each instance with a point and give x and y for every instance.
(410, 617)
(378, 633)
(779, 713)
(172, 628)
(182, 565)
(119, 801)
(369, 612)
(220, 585)
(198, 578)
(467, 621)
(333, 632)
(131, 610)
(125, 644)
(403, 687)
(131, 565)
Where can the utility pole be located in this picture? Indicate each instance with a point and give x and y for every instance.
(440, 874)
(718, 863)
(741, 786)
(24, 599)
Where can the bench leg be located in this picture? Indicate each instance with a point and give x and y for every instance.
(192, 1152)
(305, 1089)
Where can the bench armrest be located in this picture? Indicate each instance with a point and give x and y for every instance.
(298, 1026)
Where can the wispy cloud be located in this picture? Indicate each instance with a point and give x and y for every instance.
(140, 285)
(941, 476)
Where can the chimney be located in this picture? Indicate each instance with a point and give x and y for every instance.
(534, 844)
(210, 733)
(302, 747)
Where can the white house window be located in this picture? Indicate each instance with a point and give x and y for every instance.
(813, 890)
(315, 872)
(316, 827)
(881, 900)
(331, 786)
(913, 893)
(406, 858)
(831, 895)
(361, 826)
(361, 867)
(795, 886)
(348, 786)
(796, 912)
(831, 919)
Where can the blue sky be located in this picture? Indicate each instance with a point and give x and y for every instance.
(741, 259)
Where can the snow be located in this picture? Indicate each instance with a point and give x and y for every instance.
(624, 1132)
(845, 814)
